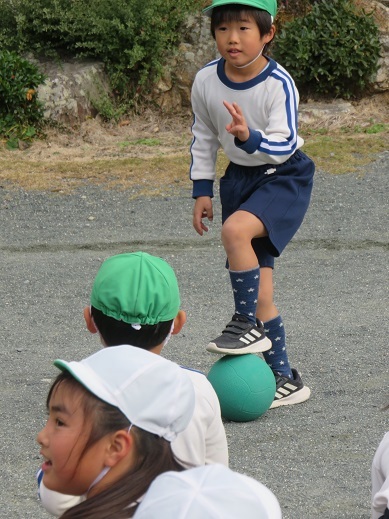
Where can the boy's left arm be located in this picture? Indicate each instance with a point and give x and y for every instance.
(238, 126)
(277, 139)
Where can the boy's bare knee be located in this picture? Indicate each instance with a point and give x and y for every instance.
(230, 232)
(234, 234)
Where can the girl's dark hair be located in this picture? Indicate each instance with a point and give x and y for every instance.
(235, 13)
(154, 456)
(115, 333)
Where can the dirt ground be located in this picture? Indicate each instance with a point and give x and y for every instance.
(149, 153)
(152, 134)
(330, 286)
(139, 136)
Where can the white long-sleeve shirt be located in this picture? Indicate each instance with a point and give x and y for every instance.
(204, 440)
(269, 103)
(380, 479)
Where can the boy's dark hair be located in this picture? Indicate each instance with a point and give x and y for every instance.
(235, 13)
(115, 333)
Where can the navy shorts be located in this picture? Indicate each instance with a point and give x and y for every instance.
(278, 195)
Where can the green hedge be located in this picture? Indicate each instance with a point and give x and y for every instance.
(332, 51)
(20, 111)
(132, 37)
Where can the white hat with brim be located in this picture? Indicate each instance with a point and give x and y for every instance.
(154, 393)
(211, 492)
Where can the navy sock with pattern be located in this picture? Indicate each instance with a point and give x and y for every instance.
(276, 357)
(245, 285)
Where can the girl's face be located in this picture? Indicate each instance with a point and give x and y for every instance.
(66, 468)
(240, 42)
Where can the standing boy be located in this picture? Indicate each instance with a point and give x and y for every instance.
(247, 104)
(135, 300)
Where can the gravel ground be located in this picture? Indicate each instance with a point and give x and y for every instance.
(331, 288)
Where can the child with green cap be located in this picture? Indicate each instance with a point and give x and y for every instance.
(135, 300)
(247, 104)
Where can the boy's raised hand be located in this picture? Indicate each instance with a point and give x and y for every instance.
(238, 126)
(202, 209)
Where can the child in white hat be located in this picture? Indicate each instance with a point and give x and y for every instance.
(112, 418)
(208, 492)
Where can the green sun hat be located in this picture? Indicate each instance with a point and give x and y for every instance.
(266, 5)
(136, 288)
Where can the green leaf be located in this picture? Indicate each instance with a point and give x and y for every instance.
(12, 144)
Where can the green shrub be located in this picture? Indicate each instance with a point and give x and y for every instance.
(8, 28)
(297, 7)
(333, 50)
(105, 104)
(132, 37)
(20, 110)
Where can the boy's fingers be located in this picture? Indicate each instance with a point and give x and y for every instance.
(197, 222)
(202, 209)
(200, 228)
(197, 226)
(237, 108)
(230, 108)
(208, 213)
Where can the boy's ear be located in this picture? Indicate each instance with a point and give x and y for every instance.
(89, 321)
(179, 322)
(120, 444)
(270, 35)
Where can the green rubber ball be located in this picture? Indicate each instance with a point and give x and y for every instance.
(245, 386)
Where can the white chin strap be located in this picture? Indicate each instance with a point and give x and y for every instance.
(252, 61)
(169, 335)
(99, 478)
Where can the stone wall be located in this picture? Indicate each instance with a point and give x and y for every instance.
(381, 16)
(70, 86)
(196, 50)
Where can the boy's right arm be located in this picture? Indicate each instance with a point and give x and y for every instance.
(202, 209)
(204, 146)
